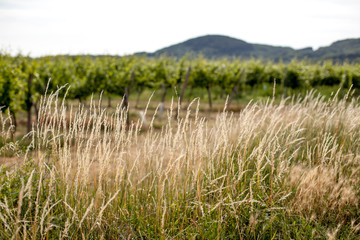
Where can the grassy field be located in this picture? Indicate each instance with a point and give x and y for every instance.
(288, 170)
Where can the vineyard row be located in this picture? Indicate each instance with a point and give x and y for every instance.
(24, 80)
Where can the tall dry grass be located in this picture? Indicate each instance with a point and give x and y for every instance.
(283, 171)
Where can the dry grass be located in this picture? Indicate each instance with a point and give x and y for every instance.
(288, 170)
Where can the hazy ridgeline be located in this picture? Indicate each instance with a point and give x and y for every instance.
(272, 171)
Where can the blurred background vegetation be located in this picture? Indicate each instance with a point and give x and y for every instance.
(23, 80)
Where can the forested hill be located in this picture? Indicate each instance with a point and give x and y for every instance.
(217, 46)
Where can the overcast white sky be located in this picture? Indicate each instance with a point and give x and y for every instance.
(41, 27)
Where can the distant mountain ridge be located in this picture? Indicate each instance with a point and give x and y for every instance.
(217, 46)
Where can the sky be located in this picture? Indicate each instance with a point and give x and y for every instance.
(49, 27)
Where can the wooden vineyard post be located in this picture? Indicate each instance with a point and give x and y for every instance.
(163, 96)
(109, 101)
(126, 99)
(28, 102)
(209, 96)
(182, 92)
(236, 87)
(162, 101)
